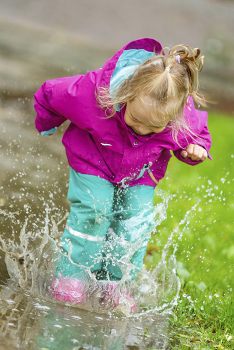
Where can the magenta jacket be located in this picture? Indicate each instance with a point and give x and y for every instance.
(105, 147)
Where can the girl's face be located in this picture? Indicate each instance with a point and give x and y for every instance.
(138, 117)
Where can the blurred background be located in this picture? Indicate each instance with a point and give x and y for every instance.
(41, 40)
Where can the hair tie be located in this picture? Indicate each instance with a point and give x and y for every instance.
(177, 58)
(168, 69)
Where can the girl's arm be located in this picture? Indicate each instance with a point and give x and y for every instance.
(55, 102)
(195, 149)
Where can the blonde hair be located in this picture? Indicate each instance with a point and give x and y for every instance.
(167, 79)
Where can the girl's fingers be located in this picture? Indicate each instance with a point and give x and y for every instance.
(184, 154)
(204, 155)
(195, 152)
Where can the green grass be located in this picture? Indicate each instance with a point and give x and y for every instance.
(205, 255)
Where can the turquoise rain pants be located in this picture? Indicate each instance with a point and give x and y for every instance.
(107, 229)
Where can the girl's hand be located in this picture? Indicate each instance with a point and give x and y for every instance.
(194, 152)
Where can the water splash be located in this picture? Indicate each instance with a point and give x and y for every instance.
(31, 263)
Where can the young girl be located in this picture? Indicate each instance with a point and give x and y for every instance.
(125, 119)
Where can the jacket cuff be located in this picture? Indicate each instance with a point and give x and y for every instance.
(48, 132)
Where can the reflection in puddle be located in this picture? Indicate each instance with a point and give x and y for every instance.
(30, 322)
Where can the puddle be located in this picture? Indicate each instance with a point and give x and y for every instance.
(34, 323)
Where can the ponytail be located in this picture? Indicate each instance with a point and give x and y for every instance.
(192, 60)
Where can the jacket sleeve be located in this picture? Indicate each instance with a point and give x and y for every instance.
(197, 121)
(56, 101)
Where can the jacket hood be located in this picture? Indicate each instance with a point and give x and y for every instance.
(125, 61)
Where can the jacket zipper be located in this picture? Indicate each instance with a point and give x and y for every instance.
(146, 167)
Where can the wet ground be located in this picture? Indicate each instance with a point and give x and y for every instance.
(33, 323)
